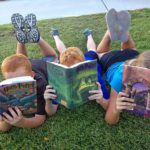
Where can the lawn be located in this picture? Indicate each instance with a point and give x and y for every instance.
(84, 127)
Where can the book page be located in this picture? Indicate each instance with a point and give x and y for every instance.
(17, 80)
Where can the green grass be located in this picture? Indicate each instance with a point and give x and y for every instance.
(82, 128)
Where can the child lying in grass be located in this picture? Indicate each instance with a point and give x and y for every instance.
(19, 65)
(112, 62)
(70, 56)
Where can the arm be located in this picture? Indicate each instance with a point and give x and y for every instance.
(49, 95)
(112, 116)
(33, 122)
(118, 102)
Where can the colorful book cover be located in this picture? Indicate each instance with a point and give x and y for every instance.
(137, 79)
(73, 83)
(22, 95)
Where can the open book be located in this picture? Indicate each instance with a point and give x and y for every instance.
(20, 92)
(137, 80)
(73, 83)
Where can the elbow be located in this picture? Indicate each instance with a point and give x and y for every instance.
(42, 120)
(6, 129)
(111, 120)
(39, 120)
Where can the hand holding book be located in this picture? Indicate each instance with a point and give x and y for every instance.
(14, 116)
(50, 93)
(96, 94)
(124, 102)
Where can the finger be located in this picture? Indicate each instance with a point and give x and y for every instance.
(50, 96)
(50, 91)
(6, 120)
(126, 104)
(125, 107)
(96, 96)
(18, 111)
(49, 87)
(126, 99)
(121, 94)
(13, 113)
(99, 86)
(95, 91)
(8, 117)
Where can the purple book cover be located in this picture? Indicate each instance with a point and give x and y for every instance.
(137, 79)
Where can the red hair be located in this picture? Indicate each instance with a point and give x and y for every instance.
(71, 56)
(13, 62)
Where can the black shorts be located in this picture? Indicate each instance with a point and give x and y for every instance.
(117, 56)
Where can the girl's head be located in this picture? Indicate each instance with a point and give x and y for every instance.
(144, 60)
(71, 56)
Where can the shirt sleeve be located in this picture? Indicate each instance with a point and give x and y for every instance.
(41, 86)
(41, 105)
(116, 82)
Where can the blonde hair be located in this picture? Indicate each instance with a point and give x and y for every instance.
(71, 56)
(13, 62)
(144, 59)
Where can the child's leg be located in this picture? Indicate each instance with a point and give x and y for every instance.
(129, 44)
(90, 43)
(104, 45)
(59, 44)
(21, 49)
(47, 50)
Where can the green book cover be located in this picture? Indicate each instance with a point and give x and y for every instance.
(73, 83)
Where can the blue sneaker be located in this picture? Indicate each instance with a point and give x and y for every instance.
(33, 34)
(87, 32)
(54, 32)
(17, 21)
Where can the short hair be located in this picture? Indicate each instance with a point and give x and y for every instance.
(13, 62)
(71, 56)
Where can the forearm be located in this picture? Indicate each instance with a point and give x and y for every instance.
(103, 103)
(31, 122)
(112, 114)
(4, 126)
(50, 108)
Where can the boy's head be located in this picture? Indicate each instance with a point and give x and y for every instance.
(71, 56)
(16, 66)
